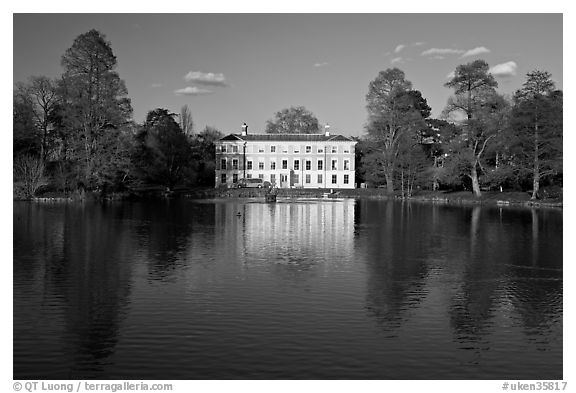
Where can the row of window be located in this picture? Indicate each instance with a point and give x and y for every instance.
(284, 149)
(296, 165)
(284, 178)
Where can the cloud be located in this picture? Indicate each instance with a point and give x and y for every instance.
(191, 91)
(396, 60)
(437, 57)
(206, 78)
(442, 51)
(156, 85)
(450, 75)
(323, 64)
(504, 70)
(399, 48)
(476, 51)
(419, 43)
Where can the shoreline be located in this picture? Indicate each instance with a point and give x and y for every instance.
(501, 199)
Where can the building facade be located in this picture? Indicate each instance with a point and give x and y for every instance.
(286, 160)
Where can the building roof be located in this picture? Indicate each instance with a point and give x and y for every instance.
(286, 138)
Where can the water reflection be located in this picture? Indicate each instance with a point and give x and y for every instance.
(396, 260)
(88, 294)
(297, 289)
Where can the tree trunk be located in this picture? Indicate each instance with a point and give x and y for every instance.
(536, 180)
(475, 183)
(389, 185)
(402, 182)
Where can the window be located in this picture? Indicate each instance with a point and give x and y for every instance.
(261, 166)
(296, 179)
(273, 165)
(284, 164)
(296, 149)
(273, 178)
(307, 179)
(346, 165)
(223, 163)
(346, 149)
(249, 176)
(308, 149)
(319, 179)
(261, 176)
(272, 149)
(235, 178)
(249, 165)
(346, 179)
(334, 149)
(334, 165)
(296, 165)
(334, 179)
(260, 149)
(223, 148)
(284, 149)
(223, 178)
(320, 165)
(320, 150)
(234, 163)
(234, 148)
(308, 165)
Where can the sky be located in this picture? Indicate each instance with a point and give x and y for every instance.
(236, 68)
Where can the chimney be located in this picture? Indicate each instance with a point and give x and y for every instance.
(244, 129)
(327, 130)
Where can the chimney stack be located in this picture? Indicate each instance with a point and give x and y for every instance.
(244, 129)
(327, 130)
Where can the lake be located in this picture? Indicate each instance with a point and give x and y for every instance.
(298, 289)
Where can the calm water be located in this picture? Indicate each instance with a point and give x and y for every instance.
(306, 289)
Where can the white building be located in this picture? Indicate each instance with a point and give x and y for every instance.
(286, 160)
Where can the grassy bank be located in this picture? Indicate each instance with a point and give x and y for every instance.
(461, 197)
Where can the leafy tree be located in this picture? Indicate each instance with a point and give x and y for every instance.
(394, 109)
(186, 121)
(467, 152)
(204, 155)
(162, 154)
(294, 120)
(25, 135)
(413, 166)
(537, 128)
(94, 104)
(476, 98)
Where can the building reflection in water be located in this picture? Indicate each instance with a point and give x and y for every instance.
(293, 239)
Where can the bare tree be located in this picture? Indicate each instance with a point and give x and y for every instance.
(186, 121)
(40, 94)
(28, 175)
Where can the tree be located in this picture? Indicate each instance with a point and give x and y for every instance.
(474, 94)
(186, 121)
(25, 135)
(94, 104)
(163, 154)
(294, 120)
(537, 127)
(28, 175)
(394, 109)
(40, 95)
(204, 155)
